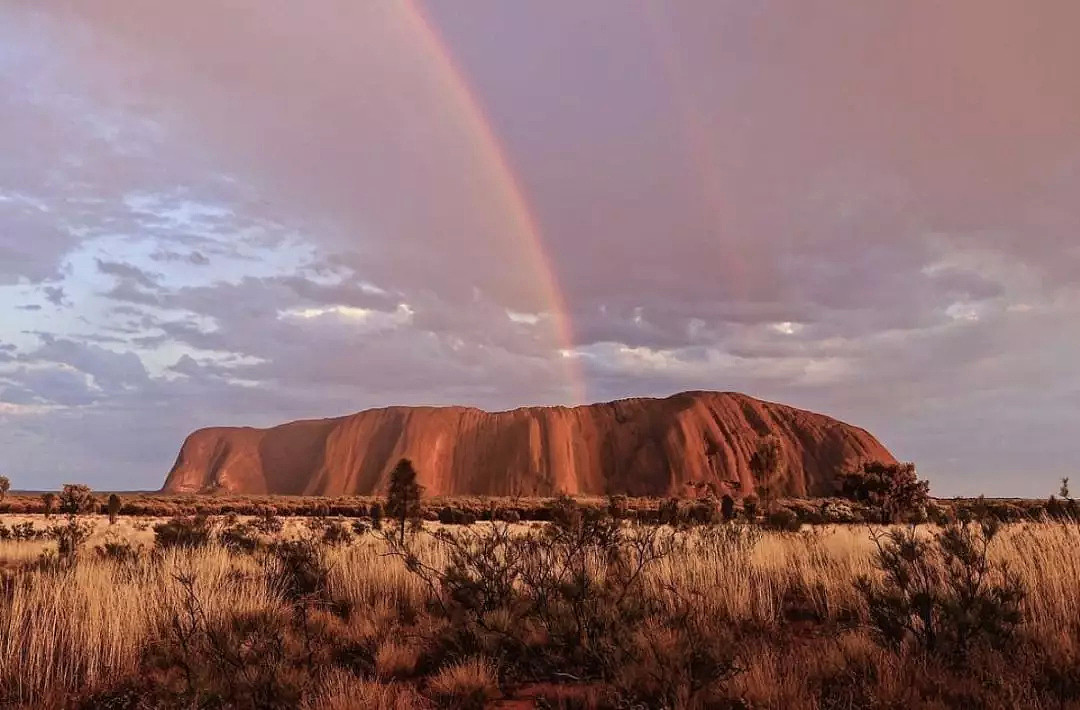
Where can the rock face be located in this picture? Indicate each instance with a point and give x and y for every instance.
(643, 447)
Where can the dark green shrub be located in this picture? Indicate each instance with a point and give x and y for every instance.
(25, 531)
(617, 507)
(75, 499)
(70, 538)
(891, 490)
(783, 520)
(668, 513)
(112, 508)
(121, 551)
(188, 532)
(268, 522)
(727, 508)
(48, 502)
(943, 593)
(336, 534)
(508, 515)
(702, 512)
(301, 571)
(239, 537)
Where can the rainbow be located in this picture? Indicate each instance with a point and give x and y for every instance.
(493, 156)
(703, 149)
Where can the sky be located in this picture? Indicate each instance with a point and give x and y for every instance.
(252, 211)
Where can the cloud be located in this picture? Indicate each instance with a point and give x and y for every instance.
(882, 228)
(128, 273)
(54, 295)
(194, 257)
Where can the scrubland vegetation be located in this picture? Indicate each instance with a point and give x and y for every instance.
(591, 608)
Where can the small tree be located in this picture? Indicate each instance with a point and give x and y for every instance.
(1064, 492)
(892, 489)
(49, 501)
(5, 486)
(767, 464)
(403, 497)
(750, 509)
(944, 592)
(75, 498)
(727, 508)
(114, 508)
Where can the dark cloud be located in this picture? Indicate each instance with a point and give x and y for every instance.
(54, 295)
(194, 257)
(128, 273)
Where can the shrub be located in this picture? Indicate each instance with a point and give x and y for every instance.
(70, 539)
(301, 571)
(564, 598)
(75, 499)
(768, 464)
(783, 520)
(750, 510)
(892, 490)
(943, 592)
(618, 507)
(245, 659)
(25, 531)
(121, 551)
(727, 508)
(188, 532)
(113, 508)
(668, 514)
(703, 512)
(336, 534)
(239, 537)
(267, 522)
(48, 502)
(508, 515)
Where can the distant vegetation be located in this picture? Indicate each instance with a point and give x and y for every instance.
(613, 603)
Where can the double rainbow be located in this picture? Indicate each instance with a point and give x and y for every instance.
(509, 191)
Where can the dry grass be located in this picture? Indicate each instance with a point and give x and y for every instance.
(344, 691)
(74, 631)
(87, 626)
(473, 682)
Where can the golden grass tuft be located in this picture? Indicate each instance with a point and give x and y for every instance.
(469, 683)
(344, 691)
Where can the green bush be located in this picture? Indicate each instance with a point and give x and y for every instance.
(891, 490)
(239, 537)
(943, 593)
(783, 520)
(187, 532)
(336, 534)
